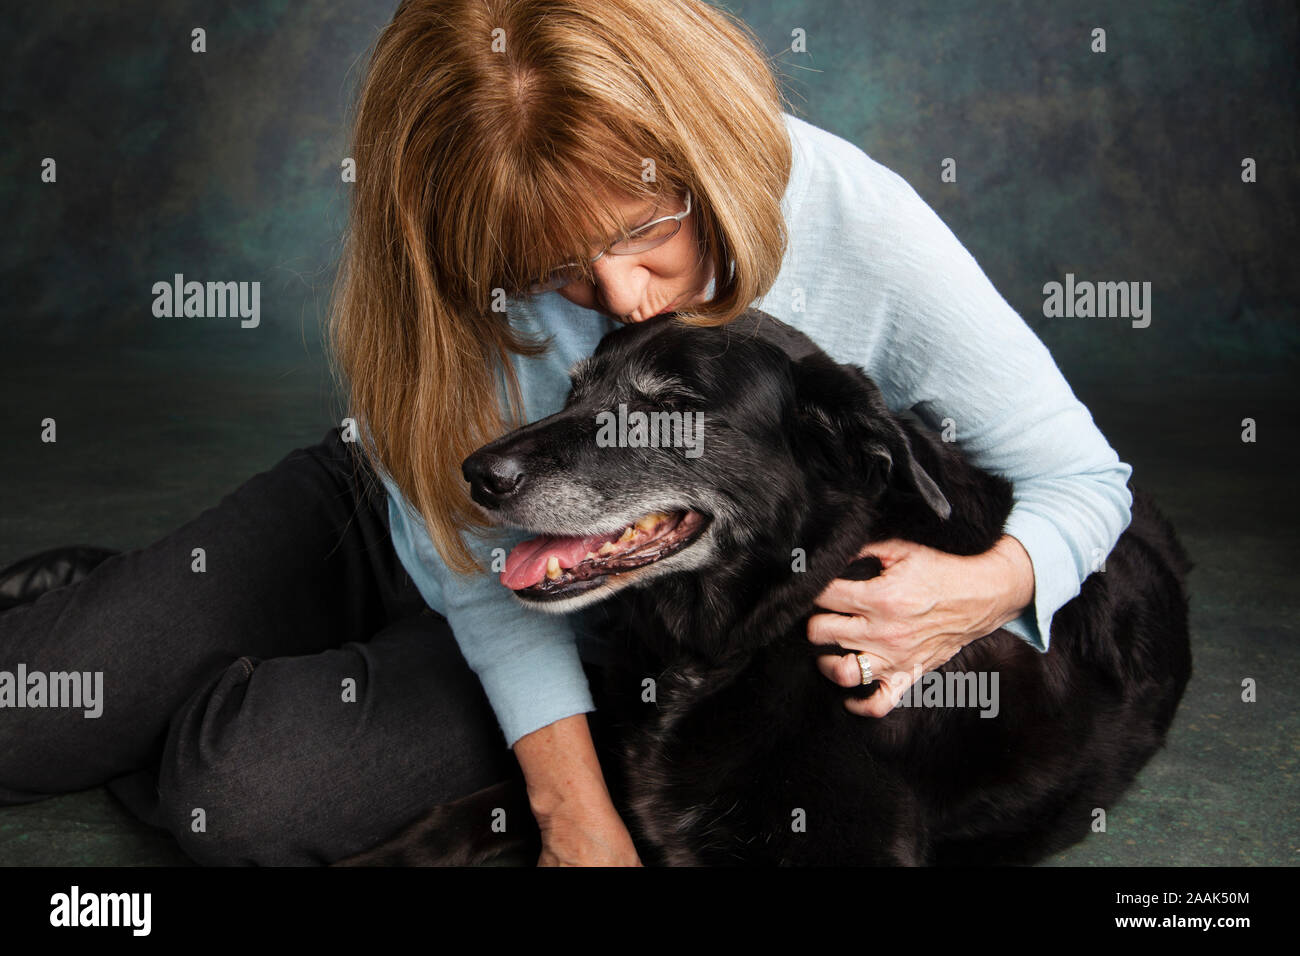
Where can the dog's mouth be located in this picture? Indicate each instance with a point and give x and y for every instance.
(555, 566)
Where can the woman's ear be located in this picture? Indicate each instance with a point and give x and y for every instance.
(843, 412)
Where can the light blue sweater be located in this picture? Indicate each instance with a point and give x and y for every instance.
(876, 279)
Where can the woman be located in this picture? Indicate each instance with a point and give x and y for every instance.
(530, 170)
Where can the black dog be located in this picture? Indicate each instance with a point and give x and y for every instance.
(713, 550)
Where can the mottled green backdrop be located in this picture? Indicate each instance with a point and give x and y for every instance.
(1123, 165)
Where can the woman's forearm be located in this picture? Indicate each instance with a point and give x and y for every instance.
(561, 768)
(566, 790)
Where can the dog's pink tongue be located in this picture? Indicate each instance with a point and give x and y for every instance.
(526, 562)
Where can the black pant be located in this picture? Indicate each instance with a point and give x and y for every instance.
(293, 703)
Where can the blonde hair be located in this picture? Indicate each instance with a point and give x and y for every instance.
(483, 159)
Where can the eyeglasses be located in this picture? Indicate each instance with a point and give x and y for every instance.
(641, 239)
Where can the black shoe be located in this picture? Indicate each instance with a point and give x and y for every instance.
(26, 580)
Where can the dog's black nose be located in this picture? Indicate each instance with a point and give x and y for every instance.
(492, 477)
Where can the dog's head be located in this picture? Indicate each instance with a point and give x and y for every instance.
(686, 449)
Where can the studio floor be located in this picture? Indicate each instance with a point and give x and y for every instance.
(147, 440)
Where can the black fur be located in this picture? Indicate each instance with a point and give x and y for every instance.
(747, 736)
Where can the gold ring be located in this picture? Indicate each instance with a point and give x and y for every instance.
(865, 666)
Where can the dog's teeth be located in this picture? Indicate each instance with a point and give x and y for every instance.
(628, 534)
(552, 567)
(607, 548)
(650, 521)
(589, 555)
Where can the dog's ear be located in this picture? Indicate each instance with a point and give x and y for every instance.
(846, 407)
(841, 410)
(921, 481)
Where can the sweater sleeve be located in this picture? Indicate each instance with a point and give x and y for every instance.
(946, 343)
(526, 660)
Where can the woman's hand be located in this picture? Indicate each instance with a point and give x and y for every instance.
(923, 608)
(567, 793)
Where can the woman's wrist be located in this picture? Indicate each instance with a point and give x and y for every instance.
(1014, 578)
(561, 768)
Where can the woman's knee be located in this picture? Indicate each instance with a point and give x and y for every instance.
(217, 795)
(245, 773)
(307, 760)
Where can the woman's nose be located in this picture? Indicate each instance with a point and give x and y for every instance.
(619, 289)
